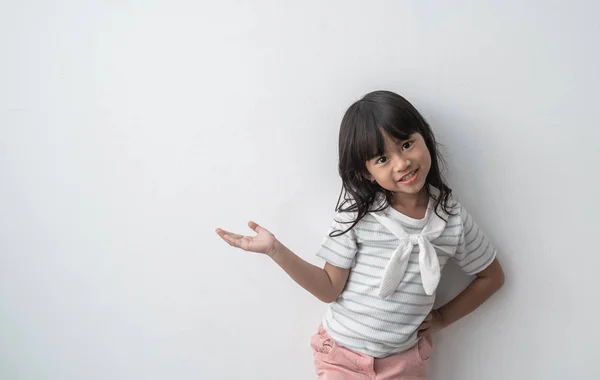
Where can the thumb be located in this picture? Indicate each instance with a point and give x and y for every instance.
(254, 226)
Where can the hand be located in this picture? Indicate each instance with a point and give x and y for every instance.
(431, 324)
(263, 242)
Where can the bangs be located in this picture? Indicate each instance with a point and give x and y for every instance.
(399, 124)
(366, 125)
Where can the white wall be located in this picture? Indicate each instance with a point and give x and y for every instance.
(129, 130)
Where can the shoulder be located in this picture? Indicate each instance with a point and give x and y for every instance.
(345, 216)
(343, 223)
(349, 212)
(450, 208)
(459, 212)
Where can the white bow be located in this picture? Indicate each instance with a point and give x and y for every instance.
(429, 264)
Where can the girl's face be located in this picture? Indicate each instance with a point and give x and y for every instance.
(403, 167)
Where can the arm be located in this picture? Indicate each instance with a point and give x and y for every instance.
(487, 283)
(324, 283)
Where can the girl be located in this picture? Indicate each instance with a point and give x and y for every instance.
(396, 227)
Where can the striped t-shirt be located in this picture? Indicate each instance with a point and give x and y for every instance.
(363, 321)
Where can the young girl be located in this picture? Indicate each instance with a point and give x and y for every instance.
(396, 227)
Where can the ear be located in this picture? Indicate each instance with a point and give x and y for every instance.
(368, 177)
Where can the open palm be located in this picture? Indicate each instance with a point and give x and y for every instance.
(263, 242)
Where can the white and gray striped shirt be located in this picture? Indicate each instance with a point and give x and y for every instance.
(363, 321)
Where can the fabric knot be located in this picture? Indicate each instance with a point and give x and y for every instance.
(414, 239)
(429, 265)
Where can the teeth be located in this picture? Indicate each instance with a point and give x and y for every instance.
(407, 177)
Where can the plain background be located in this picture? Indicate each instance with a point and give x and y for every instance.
(130, 130)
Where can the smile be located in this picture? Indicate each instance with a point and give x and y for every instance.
(410, 177)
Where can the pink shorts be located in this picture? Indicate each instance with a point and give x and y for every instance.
(336, 362)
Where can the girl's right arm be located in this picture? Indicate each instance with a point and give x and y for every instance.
(324, 283)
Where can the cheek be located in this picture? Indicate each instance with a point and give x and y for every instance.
(369, 173)
(425, 159)
(428, 160)
(382, 176)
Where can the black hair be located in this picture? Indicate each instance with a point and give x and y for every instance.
(362, 137)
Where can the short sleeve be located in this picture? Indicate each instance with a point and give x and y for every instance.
(340, 250)
(475, 251)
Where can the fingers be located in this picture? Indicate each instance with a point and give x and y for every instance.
(254, 226)
(247, 243)
(227, 234)
(427, 321)
(230, 238)
(423, 327)
(221, 233)
(429, 325)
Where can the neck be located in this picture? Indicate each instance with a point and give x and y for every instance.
(412, 201)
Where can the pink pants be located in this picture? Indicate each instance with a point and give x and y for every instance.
(336, 362)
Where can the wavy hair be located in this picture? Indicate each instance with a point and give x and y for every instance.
(361, 138)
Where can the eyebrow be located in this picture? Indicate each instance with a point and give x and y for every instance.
(411, 137)
(375, 157)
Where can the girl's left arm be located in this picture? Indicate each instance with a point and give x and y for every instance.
(487, 283)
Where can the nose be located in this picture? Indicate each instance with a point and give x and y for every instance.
(401, 163)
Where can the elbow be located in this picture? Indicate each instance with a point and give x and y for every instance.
(501, 277)
(499, 281)
(328, 298)
(493, 275)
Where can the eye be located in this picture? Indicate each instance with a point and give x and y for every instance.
(407, 145)
(382, 160)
